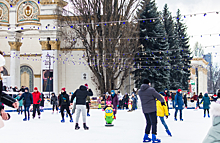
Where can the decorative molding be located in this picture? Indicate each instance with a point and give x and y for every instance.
(201, 59)
(15, 46)
(72, 49)
(60, 3)
(28, 11)
(40, 17)
(29, 23)
(55, 45)
(44, 45)
(37, 76)
(6, 25)
(27, 55)
(4, 13)
(13, 3)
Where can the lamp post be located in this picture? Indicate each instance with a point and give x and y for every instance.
(49, 56)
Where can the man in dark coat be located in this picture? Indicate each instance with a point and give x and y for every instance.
(64, 103)
(148, 96)
(178, 104)
(28, 101)
(53, 102)
(81, 95)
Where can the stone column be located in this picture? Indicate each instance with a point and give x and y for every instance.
(55, 46)
(15, 63)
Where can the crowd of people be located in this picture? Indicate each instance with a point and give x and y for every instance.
(154, 105)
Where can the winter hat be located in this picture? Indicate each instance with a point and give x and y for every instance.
(86, 85)
(146, 81)
(35, 88)
(64, 89)
(113, 93)
(2, 61)
(179, 90)
(26, 88)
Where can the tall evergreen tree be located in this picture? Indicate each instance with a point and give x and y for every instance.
(185, 53)
(152, 60)
(176, 72)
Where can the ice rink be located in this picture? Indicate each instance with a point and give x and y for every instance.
(129, 128)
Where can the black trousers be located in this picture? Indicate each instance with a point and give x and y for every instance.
(120, 104)
(20, 109)
(185, 104)
(67, 110)
(151, 119)
(125, 106)
(176, 110)
(87, 106)
(55, 106)
(205, 111)
(26, 110)
(36, 107)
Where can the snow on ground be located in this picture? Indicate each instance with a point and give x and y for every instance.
(129, 128)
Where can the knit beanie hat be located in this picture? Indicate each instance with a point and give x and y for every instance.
(2, 61)
(64, 89)
(146, 81)
(86, 85)
(179, 90)
(35, 88)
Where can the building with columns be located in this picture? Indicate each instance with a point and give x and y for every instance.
(35, 54)
(199, 80)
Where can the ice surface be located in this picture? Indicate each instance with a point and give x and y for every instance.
(129, 128)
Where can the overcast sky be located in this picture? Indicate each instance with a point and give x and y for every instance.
(199, 25)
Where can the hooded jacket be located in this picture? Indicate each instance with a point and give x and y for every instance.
(36, 97)
(179, 101)
(148, 96)
(162, 110)
(53, 100)
(64, 99)
(206, 101)
(81, 95)
(27, 97)
(213, 135)
(115, 100)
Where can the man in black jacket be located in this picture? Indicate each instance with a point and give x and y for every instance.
(81, 95)
(64, 103)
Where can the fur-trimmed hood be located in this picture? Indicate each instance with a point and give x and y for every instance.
(215, 109)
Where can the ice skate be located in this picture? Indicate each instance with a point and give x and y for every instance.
(85, 127)
(71, 120)
(154, 139)
(63, 121)
(175, 119)
(208, 116)
(28, 118)
(169, 133)
(77, 126)
(88, 114)
(146, 138)
(181, 119)
(53, 112)
(25, 119)
(204, 115)
(39, 117)
(67, 115)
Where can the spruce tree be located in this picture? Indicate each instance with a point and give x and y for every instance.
(185, 53)
(152, 59)
(176, 72)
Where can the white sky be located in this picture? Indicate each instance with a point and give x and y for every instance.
(199, 25)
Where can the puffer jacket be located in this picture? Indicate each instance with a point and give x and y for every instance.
(179, 101)
(206, 101)
(162, 110)
(213, 135)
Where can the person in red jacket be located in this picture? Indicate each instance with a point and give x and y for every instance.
(36, 102)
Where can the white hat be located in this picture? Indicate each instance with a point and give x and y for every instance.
(2, 61)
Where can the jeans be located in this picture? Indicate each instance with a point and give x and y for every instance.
(134, 105)
(173, 104)
(151, 119)
(20, 109)
(26, 110)
(176, 110)
(36, 106)
(164, 123)
(54, 107)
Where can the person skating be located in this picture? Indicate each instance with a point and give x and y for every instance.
(185, 100)
(81, 95)
(213, 135)
(120, 98)
(195, 99)
(206, 102)
(42, 102)
(125, 101)
(99, 103)
(134, 101)
(36, 102)
(20, 110)
(166, 96)
(64, 103)
(87, 101)
(115, 102)
(54, 102)
(148, 96)
(161, 112)
(5, 98)
(178, 104)
(28, 101)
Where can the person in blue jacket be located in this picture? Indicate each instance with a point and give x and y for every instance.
(27, 101)
(178, 104)
(206, 102)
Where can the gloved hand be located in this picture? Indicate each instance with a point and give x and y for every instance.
(103, 110)
(117, 105)
(167, 117)
(38, 101)
(176, 106)
(163, 103)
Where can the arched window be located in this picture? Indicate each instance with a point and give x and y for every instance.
(27, 77)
